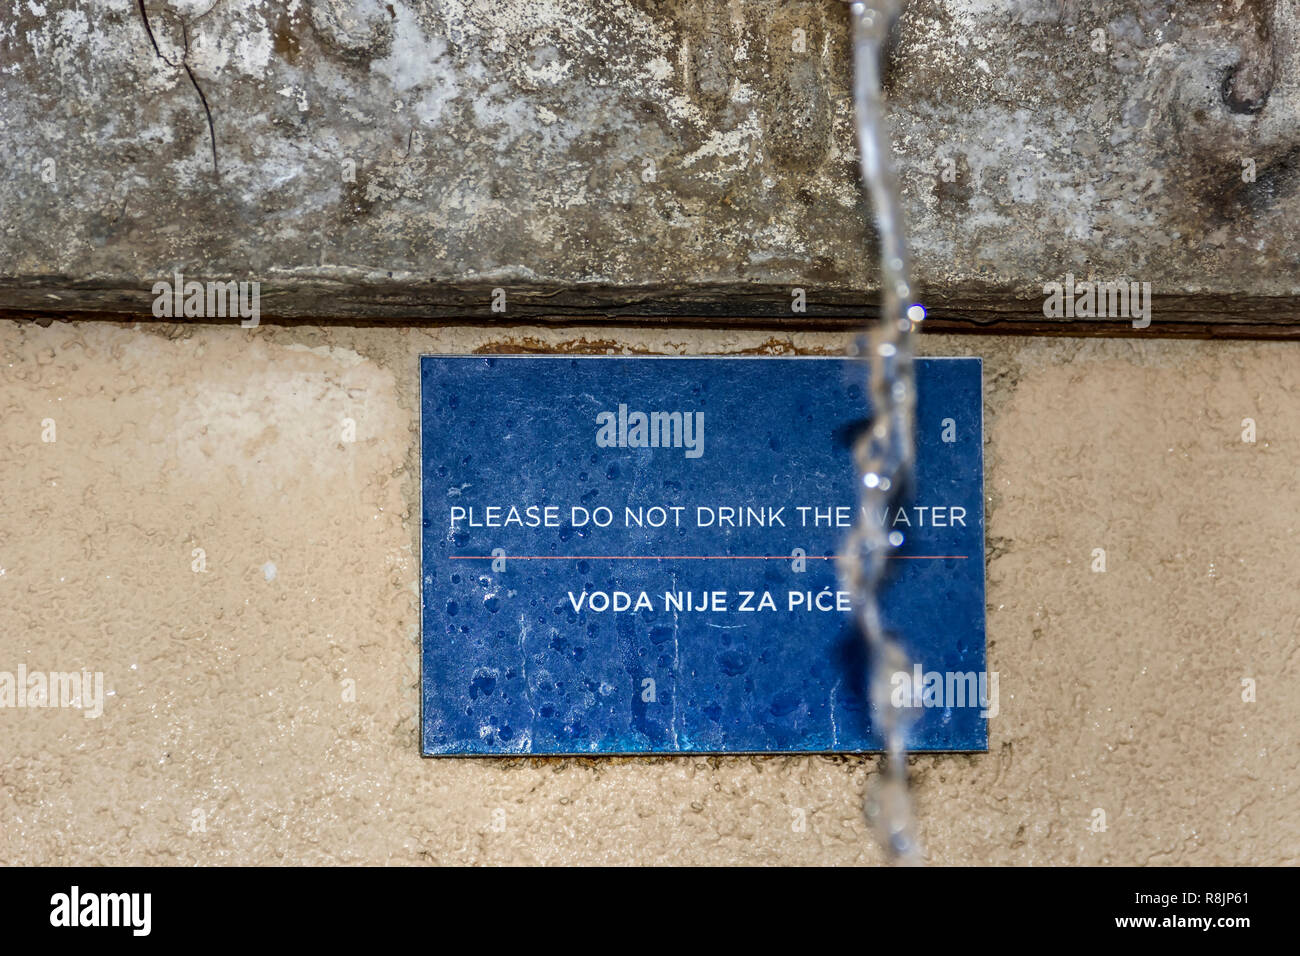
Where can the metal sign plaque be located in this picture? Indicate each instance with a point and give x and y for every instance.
(636, 555)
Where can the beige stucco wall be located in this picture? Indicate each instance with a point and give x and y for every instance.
(1119, 690)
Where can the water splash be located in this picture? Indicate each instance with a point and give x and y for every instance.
(884, 454)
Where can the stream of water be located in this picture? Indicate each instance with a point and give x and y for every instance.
(884, 453)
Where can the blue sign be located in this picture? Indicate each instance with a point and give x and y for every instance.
(636, 555)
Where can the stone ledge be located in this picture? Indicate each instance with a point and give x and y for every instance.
(356, 154)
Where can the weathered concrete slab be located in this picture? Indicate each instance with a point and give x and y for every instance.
(364, 158)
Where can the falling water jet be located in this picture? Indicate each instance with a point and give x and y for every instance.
(883, 455)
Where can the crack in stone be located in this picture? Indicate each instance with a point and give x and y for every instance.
(144, 14)
(184, 64)
(212, 129)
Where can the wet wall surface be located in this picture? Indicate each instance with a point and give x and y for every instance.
(183, 515)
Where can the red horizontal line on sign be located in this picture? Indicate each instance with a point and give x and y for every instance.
(690, 557)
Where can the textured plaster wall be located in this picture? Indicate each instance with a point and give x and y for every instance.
(1120, 690)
